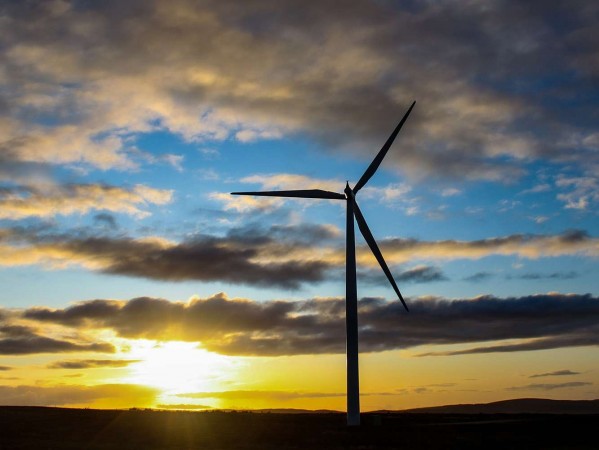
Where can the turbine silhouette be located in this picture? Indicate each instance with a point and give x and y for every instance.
(351, 296)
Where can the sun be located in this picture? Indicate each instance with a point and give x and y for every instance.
(176, 367)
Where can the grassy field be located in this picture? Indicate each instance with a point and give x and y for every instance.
(57, 428)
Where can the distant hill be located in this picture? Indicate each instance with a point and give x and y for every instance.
(516, 406)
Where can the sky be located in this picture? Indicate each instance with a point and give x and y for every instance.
(130, 277)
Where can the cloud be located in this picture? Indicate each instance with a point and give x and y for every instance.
(418, 274)
(290, 181)
(119, 395)
(582, 192)
(574, 340)
(557, 373)
(244, 327)
(393, 195)
(479, 276)
(91, 363)
(246, 203)
(544, 276)
(22, 202)
(247, 135)
(422, 274)
(522, 245)
(209, 153)
(539, 219)
(22, 340)
(542, 187)
(5, 368)
(175, 161)
(549, 386)
(85, 82)
(450, 192)
(280, 256)
(277, 256)
(270, 182)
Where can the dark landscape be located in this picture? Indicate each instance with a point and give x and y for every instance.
(24, 427)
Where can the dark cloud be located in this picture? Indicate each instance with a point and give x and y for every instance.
(276, 256)
(5, 368)
(419, 274)
(479, 276)
(244, 327)
(203, 319)
(549, 386)
(205, 259)
(557, 373)
(91, 363)
(546, 276)
(21, 340)
(247, 255)
(574, 340)
(496, 84)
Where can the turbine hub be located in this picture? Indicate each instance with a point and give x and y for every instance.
(347, 189)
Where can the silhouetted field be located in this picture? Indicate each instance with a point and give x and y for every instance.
(57, 428)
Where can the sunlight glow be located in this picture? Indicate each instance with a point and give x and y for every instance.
(176, 367)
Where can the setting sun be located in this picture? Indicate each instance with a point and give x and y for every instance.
(176, 367)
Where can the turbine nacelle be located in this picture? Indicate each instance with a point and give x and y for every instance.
(348, 191)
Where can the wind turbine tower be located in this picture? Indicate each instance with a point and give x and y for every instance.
(351, 295)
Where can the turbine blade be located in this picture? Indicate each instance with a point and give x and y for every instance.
(376, 162)
(309, 193)
(375, 250)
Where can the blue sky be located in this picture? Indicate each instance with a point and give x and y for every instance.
(126, 126)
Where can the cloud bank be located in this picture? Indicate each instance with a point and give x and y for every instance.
(244, 327)
(283, 256)
(83, 78)
(91, 363)
(22, 340)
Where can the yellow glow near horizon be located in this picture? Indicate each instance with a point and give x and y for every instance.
(177, 367)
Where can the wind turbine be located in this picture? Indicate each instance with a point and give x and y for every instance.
(351, 295)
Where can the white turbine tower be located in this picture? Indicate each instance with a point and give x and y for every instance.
(351, 296)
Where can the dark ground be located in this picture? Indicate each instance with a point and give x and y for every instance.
(56, 428)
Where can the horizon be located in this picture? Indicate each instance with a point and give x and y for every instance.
(440, 408)
(132, 278)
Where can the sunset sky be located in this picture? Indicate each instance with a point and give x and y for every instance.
(129, 277)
